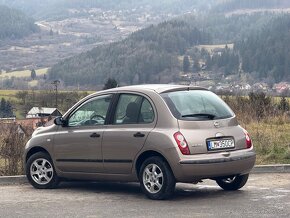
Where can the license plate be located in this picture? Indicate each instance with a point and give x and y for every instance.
(220, 144)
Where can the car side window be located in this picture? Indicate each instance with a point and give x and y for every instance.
(91, 113)
(146, 113)
(133, 109)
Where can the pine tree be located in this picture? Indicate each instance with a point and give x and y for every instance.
(6, 109)
(196, 66)
(2, 107)
(33, 74)
(111, 83)
(186, 64)
(284, 104)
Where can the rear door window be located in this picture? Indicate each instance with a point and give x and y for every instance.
(133, 109)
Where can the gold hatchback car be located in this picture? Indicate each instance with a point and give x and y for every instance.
(155, 134)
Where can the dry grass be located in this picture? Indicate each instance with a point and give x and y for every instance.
(23, 73)
(210, 48)
(271, 141)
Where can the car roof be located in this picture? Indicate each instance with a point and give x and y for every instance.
(159, 88)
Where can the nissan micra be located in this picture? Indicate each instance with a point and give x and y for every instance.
(155, 134)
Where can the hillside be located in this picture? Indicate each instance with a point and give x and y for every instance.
(234, 5)
(266, 53)
(60, 9)
(146, 56)
(15, 24)
(151, 55)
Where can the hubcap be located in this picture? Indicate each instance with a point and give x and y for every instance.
(41, 171)
(153, 178)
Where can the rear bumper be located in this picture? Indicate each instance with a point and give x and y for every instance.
(198, 167)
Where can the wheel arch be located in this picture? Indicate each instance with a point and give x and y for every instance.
(35, 150)
(146, 154)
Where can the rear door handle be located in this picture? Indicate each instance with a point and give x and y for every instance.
(139, 135)
(95, 135)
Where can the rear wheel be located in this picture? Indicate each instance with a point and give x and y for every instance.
(156, 178)
(233, 183)
(40, 171)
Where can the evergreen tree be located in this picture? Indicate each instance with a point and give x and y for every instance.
(111, 83)
(2, 106)
(186, 64)
(33, 74)
(196, 66)
(6, 109)
(284, 104)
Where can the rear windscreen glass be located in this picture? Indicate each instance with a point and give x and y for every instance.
(197, 105)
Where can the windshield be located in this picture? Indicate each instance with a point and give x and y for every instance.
(197, 105)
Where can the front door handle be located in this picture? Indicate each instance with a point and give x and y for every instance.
(139, 135)
(95, 135)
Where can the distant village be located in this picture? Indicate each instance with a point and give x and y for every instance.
(218, 82)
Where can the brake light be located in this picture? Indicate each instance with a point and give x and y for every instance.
(248, 139)
(182, 143)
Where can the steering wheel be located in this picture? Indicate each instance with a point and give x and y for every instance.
(97, 115)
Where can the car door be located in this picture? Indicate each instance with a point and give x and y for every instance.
(78, 145)
(133, 119)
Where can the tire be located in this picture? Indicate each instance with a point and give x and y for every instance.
(233, 183)
(40, 171)
(156, 178)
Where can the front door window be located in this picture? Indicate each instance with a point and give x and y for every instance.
(91, 113)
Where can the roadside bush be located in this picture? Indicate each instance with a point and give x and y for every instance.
(12, 143)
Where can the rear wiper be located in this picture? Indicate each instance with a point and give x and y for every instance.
(210, 116)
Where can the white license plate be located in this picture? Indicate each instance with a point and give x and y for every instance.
(220, 144)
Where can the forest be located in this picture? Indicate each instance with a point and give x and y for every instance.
(144, 57)
(151, 55)
(267, 51)
(232, 5)
(15, 24)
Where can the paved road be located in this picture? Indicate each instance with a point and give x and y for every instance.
(264, 196)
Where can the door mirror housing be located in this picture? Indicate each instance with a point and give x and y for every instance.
(59, 121)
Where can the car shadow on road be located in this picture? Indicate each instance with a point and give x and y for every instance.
(102, 187)
(134, 190)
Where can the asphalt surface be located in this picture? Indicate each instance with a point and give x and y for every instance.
(265, 195)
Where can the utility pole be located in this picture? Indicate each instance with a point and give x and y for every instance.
(55, 83)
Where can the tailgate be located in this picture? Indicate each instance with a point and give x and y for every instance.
(210, 136)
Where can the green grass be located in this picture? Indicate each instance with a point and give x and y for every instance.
(9, 95)
(23, 73)
(33, 83)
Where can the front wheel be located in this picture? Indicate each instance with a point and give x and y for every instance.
(233, 183)
(40, 171)
(156, 179)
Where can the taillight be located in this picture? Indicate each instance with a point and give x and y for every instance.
(181, 142)
(248, 139)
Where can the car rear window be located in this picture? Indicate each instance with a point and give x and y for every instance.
(197, 105)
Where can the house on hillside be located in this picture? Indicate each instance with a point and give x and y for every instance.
(37, 112)
(281, 87)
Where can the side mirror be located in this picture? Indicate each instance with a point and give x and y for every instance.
(59, 121)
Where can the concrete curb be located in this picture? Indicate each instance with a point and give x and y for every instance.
(8, 180)
(275, 168)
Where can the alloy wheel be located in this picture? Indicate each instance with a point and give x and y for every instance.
(153, 178)
(41, 171)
